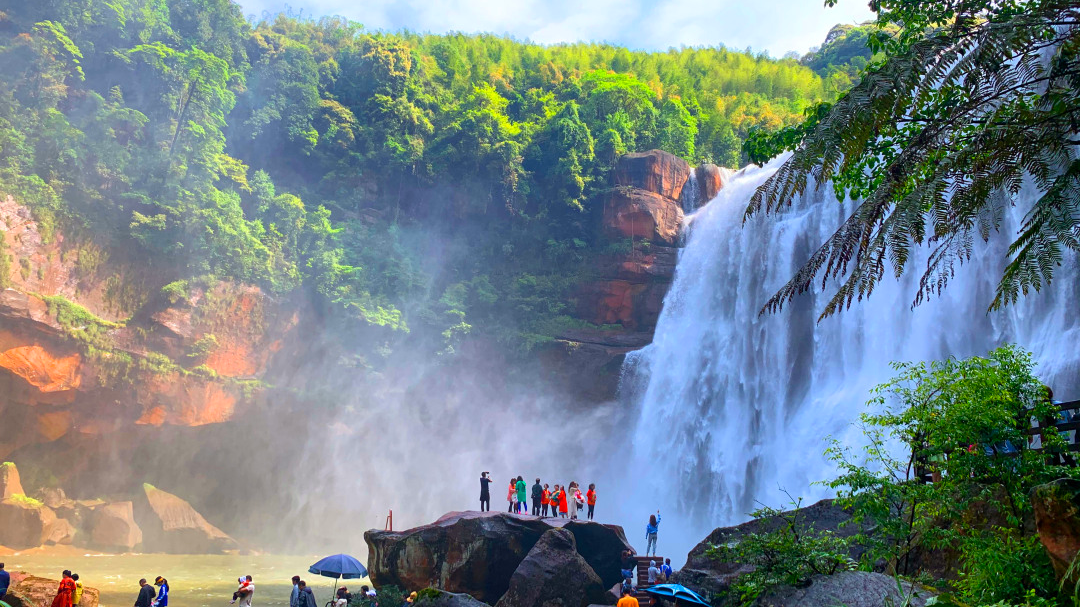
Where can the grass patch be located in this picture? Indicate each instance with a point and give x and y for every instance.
(80, 324)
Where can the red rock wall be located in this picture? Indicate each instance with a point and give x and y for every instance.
(51, 385)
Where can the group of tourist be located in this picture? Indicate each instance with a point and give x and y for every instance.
(559, 501)
(69, 594)
(303, 596)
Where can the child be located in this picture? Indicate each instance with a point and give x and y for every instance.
(243, 586)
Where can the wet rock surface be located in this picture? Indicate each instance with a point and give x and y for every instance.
(478, 553)
(554, 573)
(1057, 520)
(851, 589)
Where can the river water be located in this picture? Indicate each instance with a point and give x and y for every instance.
(194, 580)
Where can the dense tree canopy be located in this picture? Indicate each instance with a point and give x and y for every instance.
(969, 99)
(409, 180)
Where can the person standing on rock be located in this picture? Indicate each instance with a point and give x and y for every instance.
(563, 508)
(146, 594)
(650, 533)
(5, 581)
(545, 501)
(572, 503)
(537, 497)
(511, 496)
(590, 497)
(485, 493)
(78, 590)
(523, 503)
(65, 594)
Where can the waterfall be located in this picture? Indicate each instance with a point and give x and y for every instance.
(690, 193)
(735, 408)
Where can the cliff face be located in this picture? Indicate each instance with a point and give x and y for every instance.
(643, 214)
(91, 343)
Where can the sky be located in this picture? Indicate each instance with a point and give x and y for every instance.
(777, 26)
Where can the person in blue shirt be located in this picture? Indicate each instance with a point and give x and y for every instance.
(665, 570)
(5, 581)
(650, 533)
(294, 599)
(162, 599)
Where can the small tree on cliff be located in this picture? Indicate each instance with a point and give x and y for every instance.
(972, 97)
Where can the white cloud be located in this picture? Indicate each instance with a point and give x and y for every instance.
(777, 26)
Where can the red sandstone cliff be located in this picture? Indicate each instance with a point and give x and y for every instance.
(90, 344)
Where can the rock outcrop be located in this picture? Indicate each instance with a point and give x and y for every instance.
(10, 484)
(33, 591)
(113, 527)
(478, 552)
(710, 180)
(643, 216)
(848, 588)
(655, 171)
(169, 524)
(1057, 520)
(158, 356)
(554, 573)
(25, 522)
(710, 577)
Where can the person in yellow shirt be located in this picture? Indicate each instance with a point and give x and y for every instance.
(627, 600)
(75, 600)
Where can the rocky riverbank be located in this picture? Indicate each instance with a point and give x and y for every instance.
(151, 520)
(505, 560)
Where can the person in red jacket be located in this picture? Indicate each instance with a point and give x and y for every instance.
(564, 508)
(590, 498)
(65, 595)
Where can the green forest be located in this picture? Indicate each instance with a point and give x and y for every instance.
(433, 184)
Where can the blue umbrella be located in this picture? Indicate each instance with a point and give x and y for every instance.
(339, 566)
(676, 592)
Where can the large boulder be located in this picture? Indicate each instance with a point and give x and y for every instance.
(656, 171)
(169, 524)
(1057, 519)
(59, 531)
(848, 588)
(710, 180)
(709, 576)
(10, 484)
(25, 522)
(641, 215)
(601, 546)
(477, 552)
(449, 599)
(33, 591)
(553, 573)
(112, 527)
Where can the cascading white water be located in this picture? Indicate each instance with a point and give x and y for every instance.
(690, 193)
(735, 408)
